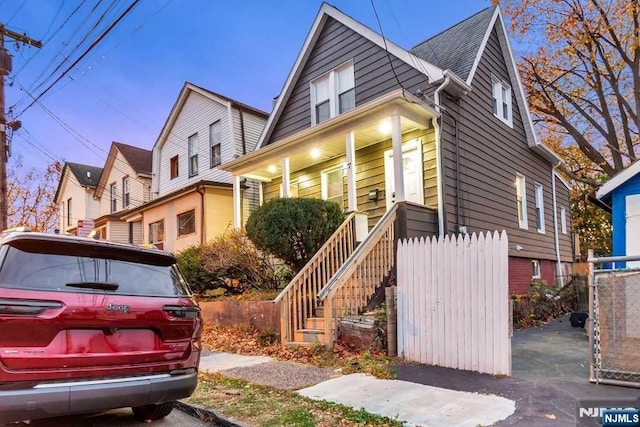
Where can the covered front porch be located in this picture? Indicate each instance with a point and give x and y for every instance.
(366, 160)
(378, 161)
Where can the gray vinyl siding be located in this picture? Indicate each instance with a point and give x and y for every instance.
(491, 153)
(565, 240)
(420, 221)
(336, 45)
(118, 231)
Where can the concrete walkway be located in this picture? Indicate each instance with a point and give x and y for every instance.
(415, 404)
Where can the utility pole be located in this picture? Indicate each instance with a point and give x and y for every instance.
(5, 70)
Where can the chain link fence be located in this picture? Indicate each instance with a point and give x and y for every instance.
(615, 324)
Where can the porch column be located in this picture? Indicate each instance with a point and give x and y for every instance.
(237, 203)
(351, 173)
(286, 178)
(398, 166)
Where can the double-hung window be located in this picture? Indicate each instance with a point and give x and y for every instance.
(156, 232)
(114, 198)
(563, 219)
(174, 167)
(332, 186)
(125, 192)
(539, 208)
(521, 200)
(502, 108)
(214, 144)
(333, 93)
(192, 142)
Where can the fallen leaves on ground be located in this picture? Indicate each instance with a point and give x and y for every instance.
(261, 343)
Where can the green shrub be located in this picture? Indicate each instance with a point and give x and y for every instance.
(238, 265)
(293, 229)
(189, 263)
(539, 305)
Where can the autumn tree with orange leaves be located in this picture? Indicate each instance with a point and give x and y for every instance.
(580, 68)
(30, 196)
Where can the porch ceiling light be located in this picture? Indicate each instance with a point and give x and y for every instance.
(272, 169)
(315, 153)
(385, 127)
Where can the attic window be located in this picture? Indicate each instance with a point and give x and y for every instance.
(174, 167)
(333, 94)
(501, 93)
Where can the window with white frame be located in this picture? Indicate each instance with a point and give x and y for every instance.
(563, 219)
(501, 92)
(332, 186)
(114, 198)
(125, 192)
(333, 94)
(215, 140)
(521, 200)
(536, 273)
(539, 208)
(192, 143)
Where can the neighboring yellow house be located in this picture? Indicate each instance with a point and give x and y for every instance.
(74, 197)
(192, 199)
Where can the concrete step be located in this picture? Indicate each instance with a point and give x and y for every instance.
(309, 335)
(314, 323)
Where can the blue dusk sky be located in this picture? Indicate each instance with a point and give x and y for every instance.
(125, 87)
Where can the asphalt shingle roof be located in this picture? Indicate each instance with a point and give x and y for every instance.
(138, 158)
(456, 48)
(87, 176)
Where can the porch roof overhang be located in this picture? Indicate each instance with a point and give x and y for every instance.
(328, 138)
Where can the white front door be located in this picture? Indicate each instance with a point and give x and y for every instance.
(412, 164)
(632, 228)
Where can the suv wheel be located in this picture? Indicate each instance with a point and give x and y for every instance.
(153, 412)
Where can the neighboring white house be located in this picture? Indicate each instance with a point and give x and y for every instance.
(74, 195)
(125, 184)
(192, 199)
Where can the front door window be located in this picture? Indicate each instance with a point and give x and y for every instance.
(412, 167)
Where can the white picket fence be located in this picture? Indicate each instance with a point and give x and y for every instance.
(453, 302)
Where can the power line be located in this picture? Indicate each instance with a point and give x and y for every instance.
(93, 45)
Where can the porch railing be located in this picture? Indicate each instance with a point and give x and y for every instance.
(299, 298)
(356, 281)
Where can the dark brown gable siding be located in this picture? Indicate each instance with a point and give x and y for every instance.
(491, 153)
(336, 45)
(565, 240)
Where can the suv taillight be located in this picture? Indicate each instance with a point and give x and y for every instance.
(20, 307)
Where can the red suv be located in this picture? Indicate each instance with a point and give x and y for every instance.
(89, 325)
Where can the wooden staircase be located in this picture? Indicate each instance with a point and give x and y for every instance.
(338, 281)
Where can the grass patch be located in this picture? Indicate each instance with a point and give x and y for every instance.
(263, 406)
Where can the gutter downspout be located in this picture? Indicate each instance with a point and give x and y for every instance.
(203, 227)
(242, 137)
(439, 180)
(555, 229)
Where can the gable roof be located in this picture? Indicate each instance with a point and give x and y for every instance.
(618, 180)
(457, 47)
(87, 176)
(189, 87)
(138, 158)
(326, 11)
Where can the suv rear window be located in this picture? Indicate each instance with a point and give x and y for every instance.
(72, 267)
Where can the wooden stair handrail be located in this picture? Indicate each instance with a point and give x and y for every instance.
(315, 257)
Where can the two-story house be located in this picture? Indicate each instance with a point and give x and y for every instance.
(437, 138)
(124, 185)
(192, 198)
(74, 196)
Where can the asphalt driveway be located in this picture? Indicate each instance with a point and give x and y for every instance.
(550, 375)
